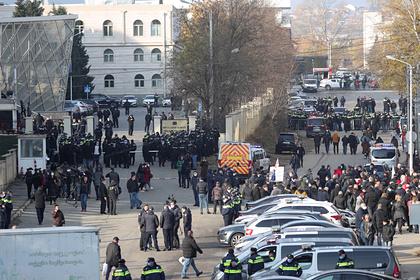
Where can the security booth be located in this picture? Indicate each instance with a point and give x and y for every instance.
(32, 152)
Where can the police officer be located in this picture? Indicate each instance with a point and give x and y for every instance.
(8, 205)
(255, 262)
(231, 267)
(343, 260)
(227, 211)
(152, 271)
(121, 272)
(290, 267)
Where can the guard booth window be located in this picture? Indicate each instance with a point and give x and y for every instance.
(31, 148)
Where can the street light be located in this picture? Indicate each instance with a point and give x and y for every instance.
(410, 111)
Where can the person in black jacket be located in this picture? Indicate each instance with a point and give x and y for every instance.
(189, 252)
(378, 218)
(133, 191)
(178, 216)
(3, 216)
(150, 222)
(255, 262)
(152, 271)
(371, 199)
(167, 222)
(28, 181)
(113, 255)
(103, 195)
(187, 219)
(40, 197)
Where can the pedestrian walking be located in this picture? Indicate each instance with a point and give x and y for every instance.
(294, 164)
(378, 218)
(127, 107)
(186, 219)
(112, 191)
(300, 152)
(231, 267)
(130, 121)
(103, 196)
(84, 192)
(58, 217)
(317, 142)
(336, 141)
(167, 222)
(112, 256)
(326, 139)
(345, 142)
(121, 272)
(194, 182)
(133, 191)
(189, 252)
(40, 197)
(152, 271)
(28, 181)
(344, 261)
(353, 142)
(97, 180)
(217, 195)
(388, 232)
(367, 230)
(202, 189)
(399, 209)
(148, 120)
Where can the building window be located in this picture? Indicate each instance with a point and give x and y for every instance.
(138, 55)
(109, 81)
(108, 55)
(139, 81)
(108, 28)
(138, 28)
(155, 30)
(156, 81)
(156, 55)
(79, 26)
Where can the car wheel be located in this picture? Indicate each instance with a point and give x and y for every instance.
(235, 238)
(328, 87)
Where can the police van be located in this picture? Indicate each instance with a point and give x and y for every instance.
(384, 154)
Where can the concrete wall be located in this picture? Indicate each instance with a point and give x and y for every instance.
(8, 169)
(243, 122)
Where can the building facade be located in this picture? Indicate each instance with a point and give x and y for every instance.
(129, 45)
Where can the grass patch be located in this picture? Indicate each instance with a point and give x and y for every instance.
(7, 142)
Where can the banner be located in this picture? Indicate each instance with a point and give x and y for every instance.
(276, 174)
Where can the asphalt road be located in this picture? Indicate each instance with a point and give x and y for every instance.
(205, 226)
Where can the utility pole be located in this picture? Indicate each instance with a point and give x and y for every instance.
(211, 82)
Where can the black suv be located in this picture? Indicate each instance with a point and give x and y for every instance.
(286, 143)
(104, 101)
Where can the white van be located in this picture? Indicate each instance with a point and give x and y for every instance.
(384, 154)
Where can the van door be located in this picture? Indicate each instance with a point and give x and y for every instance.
(305, 262)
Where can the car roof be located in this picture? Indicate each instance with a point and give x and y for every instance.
(128, 96)
(305, 240)
(276, 216)
(350, 271)
(321, 229)
(350, 248)
(309, 223)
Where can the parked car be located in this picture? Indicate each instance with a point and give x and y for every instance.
(317, 259)
(310, 85)
(149, 100)
(75, 105)
(166, 102)
(329, 84)
(131, 99)
(265, 200)
(282, 248)
(104, 101)
(92, 104)
(230, 235)
(286, 142)
(344, 274)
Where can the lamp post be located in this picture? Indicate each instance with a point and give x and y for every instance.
(410, 112)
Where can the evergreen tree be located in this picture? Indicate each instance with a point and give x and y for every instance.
(80, 69)
(28, 8)
(58, 11)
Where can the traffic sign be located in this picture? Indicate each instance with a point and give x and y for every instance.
(86, 89)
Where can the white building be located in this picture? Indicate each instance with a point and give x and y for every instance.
(372, 21)
(128, 44)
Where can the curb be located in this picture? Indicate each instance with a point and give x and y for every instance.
(19, 212)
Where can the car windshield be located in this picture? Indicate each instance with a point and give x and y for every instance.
(149, 97)
(287, 138)
(310, 82)
(315, 122)
(383, 153)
